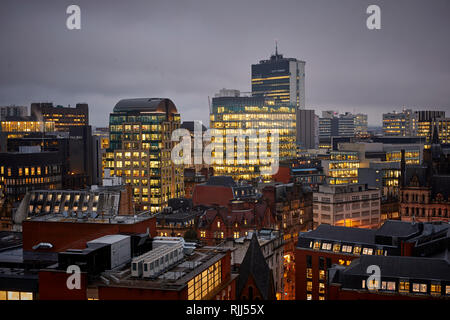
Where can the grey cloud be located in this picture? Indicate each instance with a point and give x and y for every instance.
(188, 50)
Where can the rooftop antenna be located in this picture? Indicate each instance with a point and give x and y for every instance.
(276, 47)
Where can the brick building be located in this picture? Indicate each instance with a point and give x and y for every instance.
(424, 190)
(317, 251)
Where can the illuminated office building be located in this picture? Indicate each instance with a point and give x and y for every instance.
(346, 125)
(403, 123)
(282, 79)
(426, 121)
(12, 111)
(342, 167)
(443, 128)
(64, 118)
(332, 124)
(17, 127)
(140, 150)
(28, 170)
(360, 123)
(20, 125)
(414, 155)
(353, 205)
(231, 114)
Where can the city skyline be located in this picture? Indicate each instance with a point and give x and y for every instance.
(184, 51)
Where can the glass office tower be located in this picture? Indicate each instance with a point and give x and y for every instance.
(140, 150)
(282, 79)
(231, 114)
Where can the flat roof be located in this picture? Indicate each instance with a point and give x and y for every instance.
(175, 278)
(110, 238)
(105, 219)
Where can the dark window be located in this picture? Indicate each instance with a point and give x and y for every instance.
(328, 263)
(308, 261)
(321, 263)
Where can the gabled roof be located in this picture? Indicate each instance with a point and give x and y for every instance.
(223, 181)
(402, 267)
(400, 229)
(255, 265)
(344, 234)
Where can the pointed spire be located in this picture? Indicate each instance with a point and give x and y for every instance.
(255, 265)
(276, 47)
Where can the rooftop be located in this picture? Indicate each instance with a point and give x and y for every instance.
(109, 219)
(402, 267)
(146, 105)
(387, 236)
(174, 278)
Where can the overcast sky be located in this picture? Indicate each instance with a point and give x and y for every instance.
(188, 50)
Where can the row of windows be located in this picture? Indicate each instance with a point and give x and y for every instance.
(30, 171)
(15, 295)
(337, 247)
(404, 286)
(204, 283)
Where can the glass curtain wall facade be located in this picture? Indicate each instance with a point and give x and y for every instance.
(140, 151)
(230, 115)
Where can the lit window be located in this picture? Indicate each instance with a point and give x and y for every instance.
(373, 284)
(435, 289)
(403, 286)
(309, 285)
(321, 274)
(321, 288)
(13, 295)
(336, 247)
(346, 248)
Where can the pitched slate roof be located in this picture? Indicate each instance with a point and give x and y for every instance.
(223, 181)
(328, 232)
(255, 265)
(400, 266)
